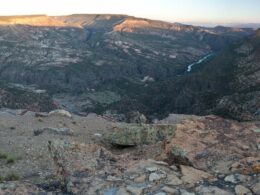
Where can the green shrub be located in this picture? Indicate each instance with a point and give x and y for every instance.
(176, 151)
(3, 155)
(10, 160)
(1, 179)
(12, 177)
(9, 177)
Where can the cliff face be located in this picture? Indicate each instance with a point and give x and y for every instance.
(117, 62)
(243, 102)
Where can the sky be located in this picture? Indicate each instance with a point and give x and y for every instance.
(201, 11)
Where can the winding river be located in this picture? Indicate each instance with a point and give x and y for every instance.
(199, 61)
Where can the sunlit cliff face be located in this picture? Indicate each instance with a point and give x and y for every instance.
(127, 24)
(132, 24)
(43, 20)
(78, 20)
(31, 20)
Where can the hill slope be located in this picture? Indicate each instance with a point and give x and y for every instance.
(115, 62)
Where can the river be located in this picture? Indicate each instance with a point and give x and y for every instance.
(199, 61)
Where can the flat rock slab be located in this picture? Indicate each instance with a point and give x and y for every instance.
(192, 176)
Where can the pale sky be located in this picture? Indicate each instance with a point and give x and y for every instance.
(222, 11)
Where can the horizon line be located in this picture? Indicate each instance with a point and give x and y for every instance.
(210, 23)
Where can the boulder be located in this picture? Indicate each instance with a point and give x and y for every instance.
(60, 112)
(242, 190)
(192, 176)
(134, 134)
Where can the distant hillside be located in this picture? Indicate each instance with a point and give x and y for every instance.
(249, 25)
(117, 63)
(19, 98)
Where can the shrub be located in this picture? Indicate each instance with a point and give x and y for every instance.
(176, 151)
(3, 155)
(12, 177)
(10, 160)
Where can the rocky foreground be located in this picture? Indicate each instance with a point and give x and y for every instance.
(61, 153)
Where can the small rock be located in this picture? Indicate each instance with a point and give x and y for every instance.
(235, 178)
(170, 190)
(160, 163)
(122, 191)
(140, 179)
(151, 169)
(256, 130)
(256, 188)
(221, 176)
(173, 180)
(98, 135)
(160, 193)
(174, 168)
(244, 147)
(135, 190)
(184, 192)
(112, 178)
(242, 190)
(133, 176)
(230, 178)
(156, 176)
